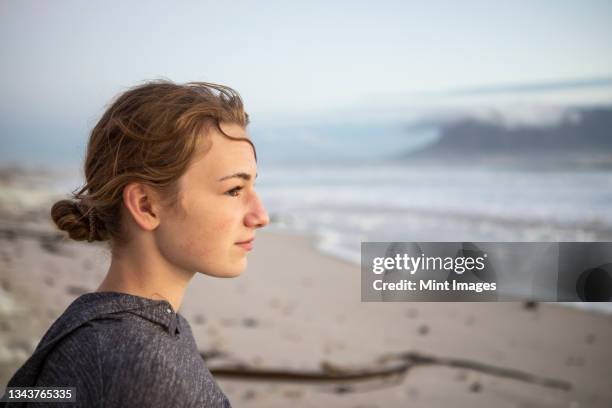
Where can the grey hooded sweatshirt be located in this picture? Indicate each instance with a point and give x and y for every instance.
(121, 350)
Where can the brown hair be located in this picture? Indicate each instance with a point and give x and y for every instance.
(148, 135)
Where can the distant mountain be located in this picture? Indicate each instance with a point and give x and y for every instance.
(583, 137)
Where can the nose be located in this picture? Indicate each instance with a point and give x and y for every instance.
(257, 216)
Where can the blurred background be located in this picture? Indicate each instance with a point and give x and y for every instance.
(386, 121)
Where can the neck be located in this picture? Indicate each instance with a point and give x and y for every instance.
(145, 273)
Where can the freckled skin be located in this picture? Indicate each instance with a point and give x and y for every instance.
(202, 234)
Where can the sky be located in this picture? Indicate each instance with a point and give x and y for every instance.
(63, 61)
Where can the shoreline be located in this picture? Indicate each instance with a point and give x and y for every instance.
(317, 243)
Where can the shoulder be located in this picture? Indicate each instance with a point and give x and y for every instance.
(78, 348)
(74, 362)
(101, 351)
(98, 342)
(130, 344)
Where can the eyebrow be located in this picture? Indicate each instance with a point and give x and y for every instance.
(244, 176)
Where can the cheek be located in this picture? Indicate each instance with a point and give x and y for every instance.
(211, 233)
(225, 226)
(204, 239)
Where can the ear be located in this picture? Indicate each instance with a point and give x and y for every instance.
(142, 203)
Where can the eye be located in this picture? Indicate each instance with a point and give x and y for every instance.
(234, 192)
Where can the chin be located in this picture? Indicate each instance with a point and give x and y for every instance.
(230, 271)
(232, 274)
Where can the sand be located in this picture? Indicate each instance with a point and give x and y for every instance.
(297, 309)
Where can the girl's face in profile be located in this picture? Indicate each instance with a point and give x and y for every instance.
(218, 210)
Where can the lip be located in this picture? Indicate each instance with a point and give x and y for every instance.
(247, 245)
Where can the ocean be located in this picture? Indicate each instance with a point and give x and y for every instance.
(341, 206)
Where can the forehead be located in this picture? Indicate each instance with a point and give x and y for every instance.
(219, 155)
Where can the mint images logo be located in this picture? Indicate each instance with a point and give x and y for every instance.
(425, 264)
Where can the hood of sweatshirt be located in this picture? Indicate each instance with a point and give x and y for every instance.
(87, 308)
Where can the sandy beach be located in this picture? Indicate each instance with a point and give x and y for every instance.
(298, 310)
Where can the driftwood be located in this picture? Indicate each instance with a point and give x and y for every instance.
(414, 358)
(389, 365)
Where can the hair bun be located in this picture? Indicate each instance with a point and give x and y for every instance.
(76, 219)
